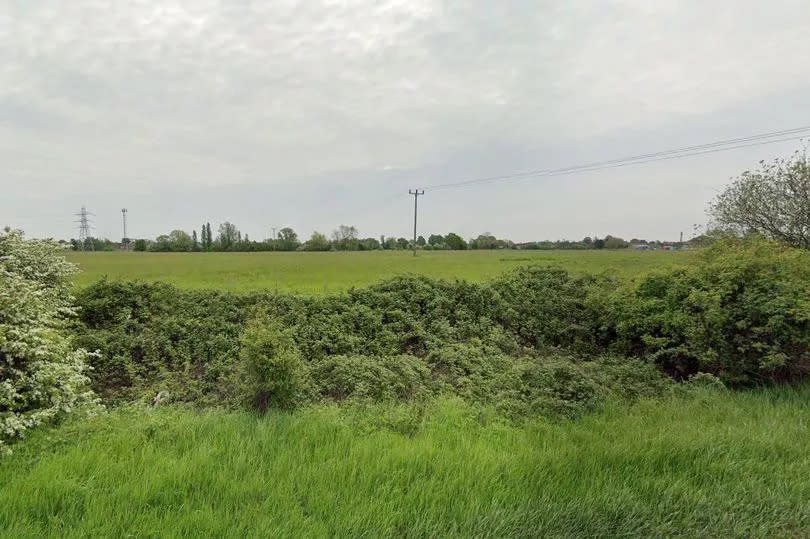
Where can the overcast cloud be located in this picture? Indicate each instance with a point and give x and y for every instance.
(312, 114)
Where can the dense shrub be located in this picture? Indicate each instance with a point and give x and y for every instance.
(271, 371)
(742, 313)
(533, 341)
(546, 307)
(154, 336)
(42, 375)
(379, 379)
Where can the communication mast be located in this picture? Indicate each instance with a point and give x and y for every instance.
(125, 239)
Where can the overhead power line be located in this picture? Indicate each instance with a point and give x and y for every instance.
(676, 153)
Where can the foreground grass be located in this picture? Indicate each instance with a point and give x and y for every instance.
(709, 464)
(321, 273)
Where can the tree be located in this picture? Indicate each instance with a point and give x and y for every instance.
(436, 240)
(773, 200)
(368, 244)
(344, 238)
(161, 244)
(179, 241)
(485, 241)
(42, 376)
(403, 243)
(228, 235)
(287, 239)
(612, 242)
(420, 241)
(455, 242)
(209, 240)
(140, 245)
(195, 243)
(317, 242)
(390, 243)
(203, 238)
(598, 243)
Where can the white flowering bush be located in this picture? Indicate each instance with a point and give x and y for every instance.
(42, 376)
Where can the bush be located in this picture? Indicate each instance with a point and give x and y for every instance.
(742, 314)
(42, 376)
(272, 372)
(546, 307)
(564, 386)
(153, 336)
(376, 379)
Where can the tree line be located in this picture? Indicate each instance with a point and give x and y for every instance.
(229, 238)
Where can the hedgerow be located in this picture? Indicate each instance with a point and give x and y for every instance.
(534, 341)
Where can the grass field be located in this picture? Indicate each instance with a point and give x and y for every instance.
(320, 273)
(716, 464)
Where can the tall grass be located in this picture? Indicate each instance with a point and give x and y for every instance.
(707, 463)
(329, 273)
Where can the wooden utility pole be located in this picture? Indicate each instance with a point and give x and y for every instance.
(416, 194)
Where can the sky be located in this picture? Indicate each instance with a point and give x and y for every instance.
(318, 113)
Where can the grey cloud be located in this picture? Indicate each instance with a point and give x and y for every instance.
(316, 106)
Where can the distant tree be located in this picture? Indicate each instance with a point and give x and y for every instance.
(195, 246)
(612, 242)
(420, 241)
(209, 240)
(344, 238)
(485, 241)
(368, 244)
(203, 238)
(455, 242)
(317, 242)
(140, 245)
(287, 239)
(598, 243)
(179, 241)
(228, 235)
(176, 240)
(773, 200)
(403, 243)
(382, 241)
(390, 243)
(587, 242)
(436, 240)
(161, 244)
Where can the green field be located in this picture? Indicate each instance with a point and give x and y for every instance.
(707, 464)
(321, 273)
(503, 413)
